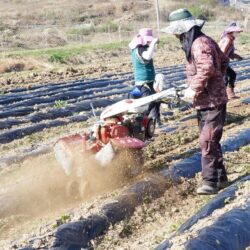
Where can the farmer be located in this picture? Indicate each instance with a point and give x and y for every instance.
(227, 46)
(143, 48)
(205, 67)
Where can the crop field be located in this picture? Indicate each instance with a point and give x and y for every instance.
(25, 111)
(61, 64)
(29, 111)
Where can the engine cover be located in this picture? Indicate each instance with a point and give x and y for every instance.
(119, 131)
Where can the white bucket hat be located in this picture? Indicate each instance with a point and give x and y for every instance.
(182, 21)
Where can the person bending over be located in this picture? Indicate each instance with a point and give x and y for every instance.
(143, 48)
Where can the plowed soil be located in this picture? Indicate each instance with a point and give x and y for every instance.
(34, 202)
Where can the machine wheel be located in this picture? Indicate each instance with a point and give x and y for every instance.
(150, 130)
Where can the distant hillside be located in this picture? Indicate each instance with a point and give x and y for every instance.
(29, 24)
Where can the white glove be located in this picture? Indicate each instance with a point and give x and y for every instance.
(189, 95)
(155, 41)
(149, 53)
(159, 82)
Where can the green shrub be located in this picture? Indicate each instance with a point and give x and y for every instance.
(62, 220)
(59, 57)
(127, 27)
(201, 12)
(108, 27)
(60, 104)
(246, 149)
(85, 30)
(208, 3)
(212, 3)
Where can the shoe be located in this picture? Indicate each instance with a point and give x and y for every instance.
(222, 184)
(206, 189)
(231, 93)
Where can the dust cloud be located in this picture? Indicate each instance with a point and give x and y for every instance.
(31, 187)
(39, 188)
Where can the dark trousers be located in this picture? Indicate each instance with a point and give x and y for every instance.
(154, 107)
(211, 122)
(230, 77)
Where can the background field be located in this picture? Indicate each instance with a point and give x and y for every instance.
(44, 36)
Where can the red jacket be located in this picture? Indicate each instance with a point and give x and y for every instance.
(205, 73)
(226, 45)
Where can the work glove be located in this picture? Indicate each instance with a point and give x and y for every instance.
(149, 53)
(155, 43)
(189, 95)
(155, 40)
(159, 82)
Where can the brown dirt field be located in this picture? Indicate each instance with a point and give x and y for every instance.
(32, 193)
(37, 210)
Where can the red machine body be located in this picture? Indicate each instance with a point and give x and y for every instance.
(118, 131)
(124, 132)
